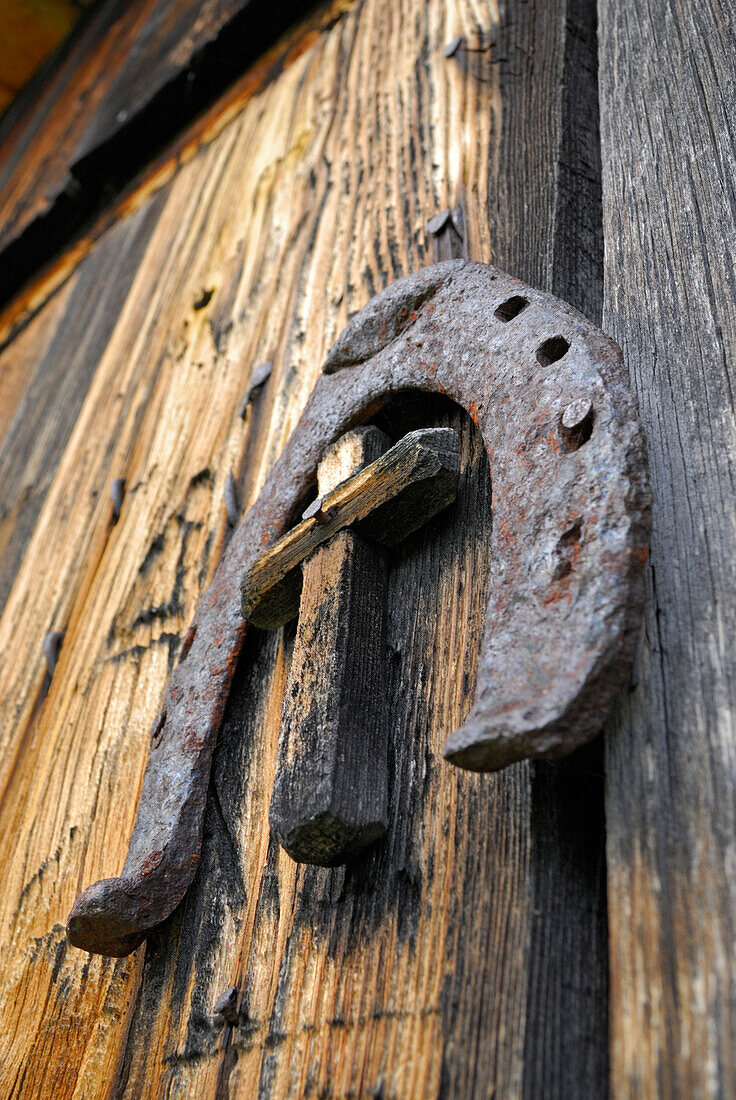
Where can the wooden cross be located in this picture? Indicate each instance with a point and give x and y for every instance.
(330, 796)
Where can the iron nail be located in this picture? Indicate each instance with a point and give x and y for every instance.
(437, 223)
(457, 218)
(576, 423)
(576, 413)
(117, 494)
(459, 41)
(316, 512)
(260, 374)
(452, 47)
(226, 1005)
(51, 648)
(231, 500)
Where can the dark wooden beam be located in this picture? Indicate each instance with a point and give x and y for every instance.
(330, 794)
(128, 82)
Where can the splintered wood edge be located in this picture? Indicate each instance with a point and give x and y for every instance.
(389, 499)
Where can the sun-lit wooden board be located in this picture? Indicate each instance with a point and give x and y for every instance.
(668, 125)
(467, 955)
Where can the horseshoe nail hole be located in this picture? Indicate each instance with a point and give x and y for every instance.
(551, 350)
(187, 644)
(568, 550)
(511, 308)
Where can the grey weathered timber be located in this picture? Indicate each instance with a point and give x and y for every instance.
(330, 795)
(57, 383)
(668, 88)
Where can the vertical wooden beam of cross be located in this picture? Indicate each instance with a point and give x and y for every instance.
(330, 796)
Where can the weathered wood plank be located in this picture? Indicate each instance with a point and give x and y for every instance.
(134, 75)
(55, 385)
(330, 793)
(451, 960)
(274, 1044)
(668, 127)
(40, 131)
(568, 961)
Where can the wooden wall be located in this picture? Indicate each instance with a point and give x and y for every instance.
(668, 125)
(30, 30)
(469, 955)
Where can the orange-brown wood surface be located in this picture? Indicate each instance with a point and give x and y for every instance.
(467, 954)
(424, 968)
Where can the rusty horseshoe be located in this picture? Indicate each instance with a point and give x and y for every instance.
(571, 513)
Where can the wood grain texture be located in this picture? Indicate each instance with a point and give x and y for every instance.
(53, 380)
(466, 955)
(123, 86)
(43, 127)
(667, 95)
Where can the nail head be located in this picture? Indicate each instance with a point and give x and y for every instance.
(314, 511)
(576, 413)
(226, 1005)
(51, 648)
(260, 374)
(437, 223)
(457, 218)
(117, 495)
(231, 500)
(452, 47)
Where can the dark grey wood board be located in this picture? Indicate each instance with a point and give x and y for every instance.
(668, 88)
(331, 786)
(548, 231)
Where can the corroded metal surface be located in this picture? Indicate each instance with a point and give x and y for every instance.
(570, 532)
